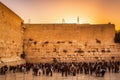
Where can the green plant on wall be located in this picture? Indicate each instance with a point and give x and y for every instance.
(103, 51)
(23, 55)
(55, 60)
(117, 37)
(112, 57)
(65, 51)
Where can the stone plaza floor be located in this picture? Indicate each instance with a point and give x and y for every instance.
(57, 76)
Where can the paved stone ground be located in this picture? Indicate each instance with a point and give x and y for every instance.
(57, 76)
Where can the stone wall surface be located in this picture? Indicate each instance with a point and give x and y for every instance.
(70, 42)
(79, 32)
(11, 36)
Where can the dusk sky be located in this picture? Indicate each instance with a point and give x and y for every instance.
(53, 11)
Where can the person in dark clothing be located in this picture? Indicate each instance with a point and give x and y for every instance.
(49, 70)
(103, 70)
(64, 70)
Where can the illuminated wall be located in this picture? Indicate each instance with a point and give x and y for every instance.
(75, 32)
(66, 42)
(11, 35)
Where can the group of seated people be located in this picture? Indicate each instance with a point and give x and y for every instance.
(65, 69)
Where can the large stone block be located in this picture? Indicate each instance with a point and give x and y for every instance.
(11, 36)
(68, 42)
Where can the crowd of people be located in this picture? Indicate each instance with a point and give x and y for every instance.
(65, 69)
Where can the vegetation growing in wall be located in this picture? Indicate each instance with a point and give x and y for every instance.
(96, 58)
(23, 55)
(65, 51)
(54, 50)
(103, 51)
(30, 39)
(108, 51)
(70, 42)
(98, 41)
(79, 51)
(117, 37)
(88, 51)
(46, 42)
(58, 42)
(93, 51)
(112, 57)
(55, 60)
(35, 43)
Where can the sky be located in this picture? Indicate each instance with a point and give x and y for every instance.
(54, 11)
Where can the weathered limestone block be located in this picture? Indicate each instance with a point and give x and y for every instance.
(68, 41)
(11, 36)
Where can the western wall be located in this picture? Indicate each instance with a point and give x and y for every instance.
(70, 42)
(63, 42)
